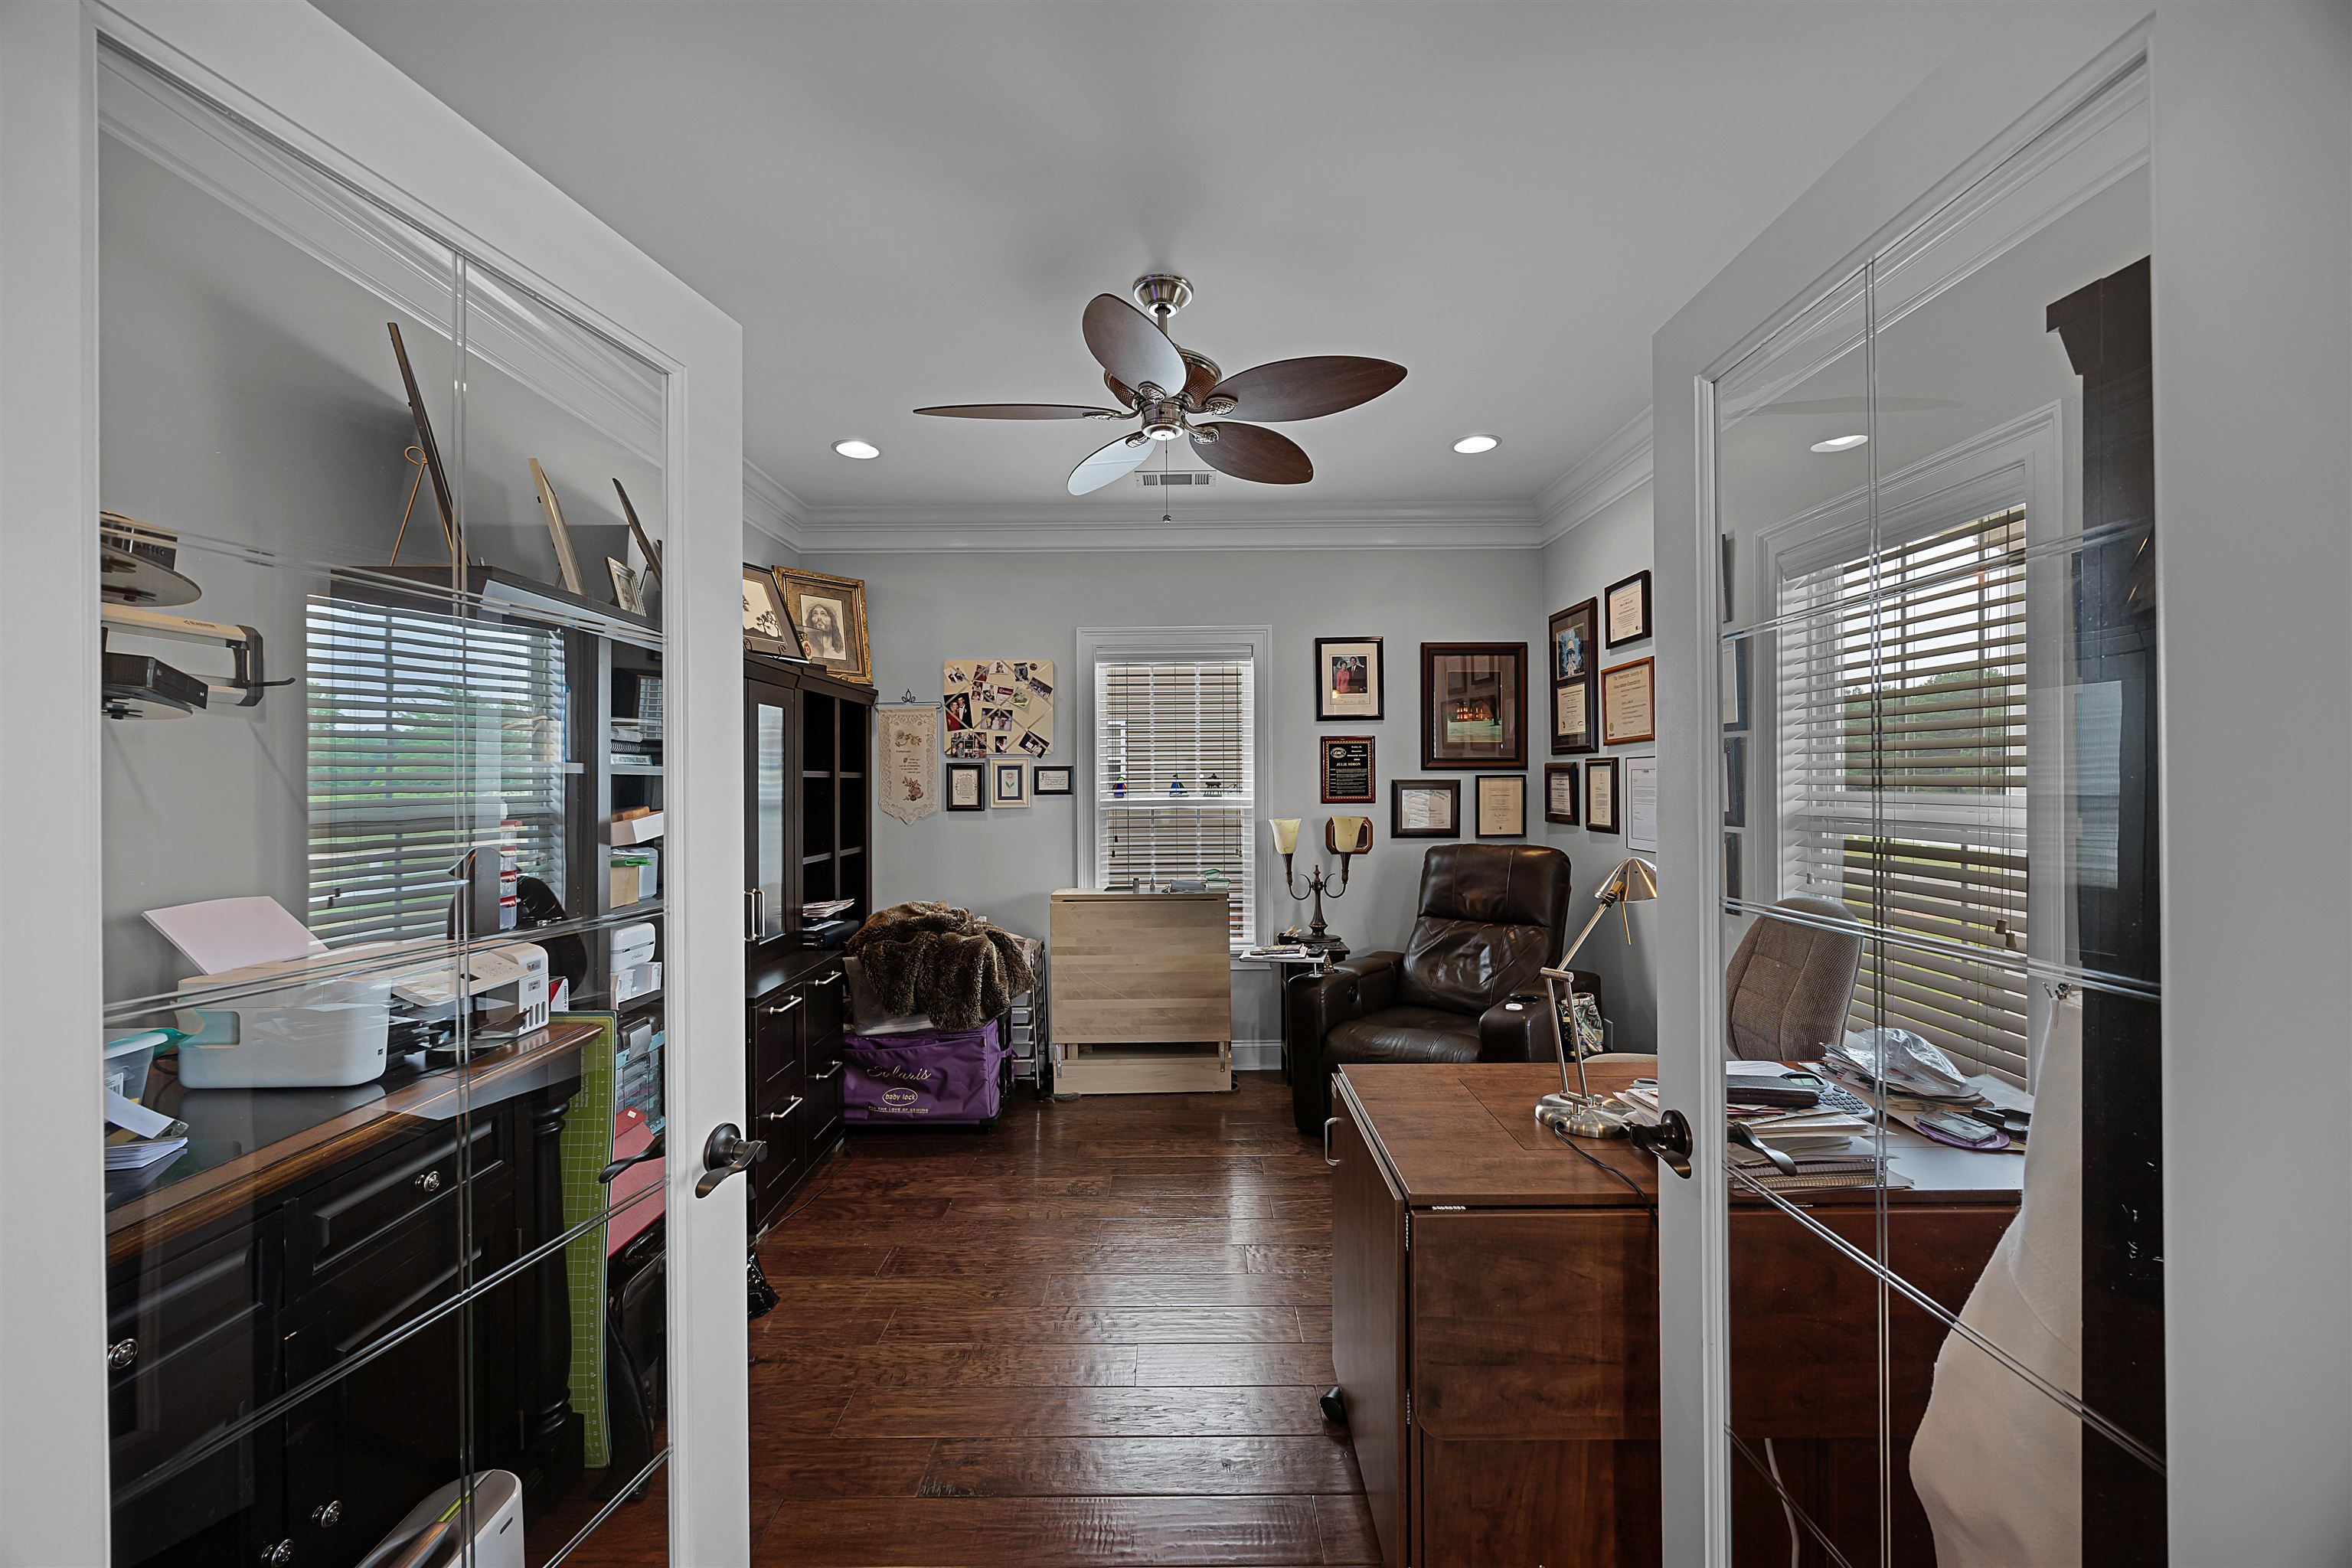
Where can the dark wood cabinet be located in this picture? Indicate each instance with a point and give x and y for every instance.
(808, 831)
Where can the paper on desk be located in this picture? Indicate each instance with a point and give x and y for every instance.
(221, 934)
(133, 1117)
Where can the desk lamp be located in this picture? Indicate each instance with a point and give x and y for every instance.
(1577, 1112)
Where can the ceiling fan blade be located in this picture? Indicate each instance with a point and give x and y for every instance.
(1121, 458)
(1023, 411)
(1249, 452)
(1131, 346)
(1307, 388)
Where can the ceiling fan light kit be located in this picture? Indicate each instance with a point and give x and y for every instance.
(1166, 387)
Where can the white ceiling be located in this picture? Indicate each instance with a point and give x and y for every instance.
(910, 203)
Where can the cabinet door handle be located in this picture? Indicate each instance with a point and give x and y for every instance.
(1329, 1123)
(833, 979)
(831, 1072)
(122, 1354)
(427, 1182)
(751, 915)
(328, 1514)
(768, 1010)
(779, 1115)
(278, 1556)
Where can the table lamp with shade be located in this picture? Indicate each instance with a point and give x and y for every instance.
(1345, 836)
(1578, 1111)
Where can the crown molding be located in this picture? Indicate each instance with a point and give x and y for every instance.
(1607, 473)
(772, 511)
(1312, 526)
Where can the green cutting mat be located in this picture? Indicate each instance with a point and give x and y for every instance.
(586, 1146)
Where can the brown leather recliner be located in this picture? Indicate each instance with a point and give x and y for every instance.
(1490, 920)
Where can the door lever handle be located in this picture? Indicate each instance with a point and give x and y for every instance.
(1669, 1142)
(1740, 1132)
(652, 1151)
(727, 1154)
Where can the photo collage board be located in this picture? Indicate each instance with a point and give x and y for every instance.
(999, 706)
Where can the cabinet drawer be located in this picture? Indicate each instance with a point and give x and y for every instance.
(824, 1091)
(776, 1066)
(377, 1205)
(828, 1002)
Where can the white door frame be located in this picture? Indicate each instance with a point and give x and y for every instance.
(298, 76)
(1991, 98)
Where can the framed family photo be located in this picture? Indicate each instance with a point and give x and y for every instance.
(1351, 679)
(1474, 704)
(829, 613)
(1425, 808)
(766, 628)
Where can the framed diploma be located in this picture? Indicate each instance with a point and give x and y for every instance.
(1474, 704)
(1733, 683)
(1575, 693)
(1425, 808)
(1351, 679)
(1560, 792)
(1641, 780)
(1735, 781)
(966, 792)
(1626, 702)
(1600, 795)
(1347, 770)
(1628, 600)
(1502, 806)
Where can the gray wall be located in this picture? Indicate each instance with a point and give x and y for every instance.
(1612, 543)
(928, 608)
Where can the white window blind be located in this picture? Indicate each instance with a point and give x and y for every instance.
(1902, 766)
(426, 731)
(1175, 774)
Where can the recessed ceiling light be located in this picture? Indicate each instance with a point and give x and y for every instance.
(861, 450)
(1840, 443)
(1477, 444)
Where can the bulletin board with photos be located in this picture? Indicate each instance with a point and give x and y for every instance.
(999, 706)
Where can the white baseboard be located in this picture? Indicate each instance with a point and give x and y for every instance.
(1257, 1056)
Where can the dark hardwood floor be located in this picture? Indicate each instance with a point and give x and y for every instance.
(1095, 1335)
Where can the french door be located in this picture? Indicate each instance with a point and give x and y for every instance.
(392, 752)
(1927, 602)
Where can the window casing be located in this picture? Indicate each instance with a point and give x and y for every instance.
(1173, 721)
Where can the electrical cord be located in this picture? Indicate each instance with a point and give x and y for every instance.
(1628, 1183)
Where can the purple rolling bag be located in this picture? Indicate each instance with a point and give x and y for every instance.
(927, 1076)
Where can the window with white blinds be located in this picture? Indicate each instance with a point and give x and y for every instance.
(427, 731)
(1175, 774)
(1902, 761)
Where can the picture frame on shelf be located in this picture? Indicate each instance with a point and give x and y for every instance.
(1050, 779)
(1425, 808)
(1600, 797)
(1732, 857)
(967, 787)
(1735, 781)
(452, 537)
(766, 627)
(1629, 702)
(1502, 806)
(829, 613)
(1563, 794)
(626, 591)
(1575, 686)
(1345, 767)
(1733, 682)
(1626, 616)
(1473, 705)
(1351, 679)
(567, 564)
(1008, 783)
(637, 532)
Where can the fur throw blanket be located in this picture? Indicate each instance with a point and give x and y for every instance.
(942, 961)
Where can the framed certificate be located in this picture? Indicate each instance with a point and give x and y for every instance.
(1351, 679)
(1347, 770)
(1575, 691)
(1600, 795)
(1502, 806)
(1425, 808)
(1628, 614)
(966, 790)
(1561, 787)
(1627, 711)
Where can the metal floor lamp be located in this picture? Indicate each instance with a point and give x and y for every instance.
(1578, 1111)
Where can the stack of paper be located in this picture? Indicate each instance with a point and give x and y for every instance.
(1809, 1131)
(146, 1137)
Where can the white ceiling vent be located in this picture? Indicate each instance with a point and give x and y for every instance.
(1172, 478)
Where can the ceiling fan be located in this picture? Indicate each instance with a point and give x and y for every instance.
(1166, 387)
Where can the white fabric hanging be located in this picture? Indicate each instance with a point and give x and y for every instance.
(1997, 1462)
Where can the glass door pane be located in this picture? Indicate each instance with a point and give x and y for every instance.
(769, 741)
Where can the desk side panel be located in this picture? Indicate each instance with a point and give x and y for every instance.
(1368, 1323)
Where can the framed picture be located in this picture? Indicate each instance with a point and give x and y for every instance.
(1600, 795)
(1627, 702)
(1043, 780)
(1351, 679)
(1008, 783)
(1502, 806)
(452, 536)
(1731, 868)
(567, 564)
(1728, 597)
(1735, 781)
(1474, 704)
(1640, 781)
(1575, 690)
(830, 614)
(766, 628)
(1733, 682)
(1347, 770)
(626, 591)
(1425, 808)
(967, 791)
(1560, 787)
(1628, 600)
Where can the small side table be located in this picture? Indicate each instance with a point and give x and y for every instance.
(1291, 968)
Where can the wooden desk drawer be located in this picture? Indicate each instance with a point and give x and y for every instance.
(191, 1349)
(377, 1203)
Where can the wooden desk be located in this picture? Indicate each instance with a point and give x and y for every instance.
(1143, 992)
(1495, 1328)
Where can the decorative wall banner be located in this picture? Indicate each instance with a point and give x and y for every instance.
(997, 707)
(909, 760)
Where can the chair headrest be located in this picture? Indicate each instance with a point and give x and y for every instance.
(1493, 884)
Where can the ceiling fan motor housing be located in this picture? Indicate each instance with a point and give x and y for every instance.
(1163, 293)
